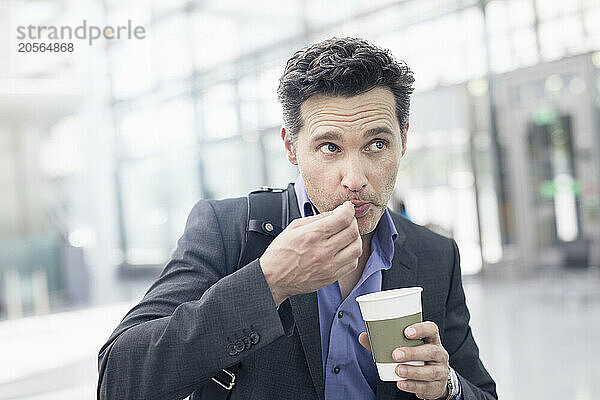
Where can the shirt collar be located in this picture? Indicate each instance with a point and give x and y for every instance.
(385, 232)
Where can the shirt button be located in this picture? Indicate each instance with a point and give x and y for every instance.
(340, 314)
(336, 370)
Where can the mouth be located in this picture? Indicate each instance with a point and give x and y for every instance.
(360, 208)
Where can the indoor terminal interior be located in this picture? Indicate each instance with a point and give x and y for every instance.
(105, 149)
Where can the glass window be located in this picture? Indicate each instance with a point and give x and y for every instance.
(232, 168)
(133, 72)
(157, 194)
(280, 170)
(269, 107)
(521, 13)
(165, 128)
(321, 13)
(62, 151)
(440, 57)
(438, 188)
(556, 43)
(524, 43)
(218, 111)
(209, 53)
(171, 47)
(547, 9)
(592, 27)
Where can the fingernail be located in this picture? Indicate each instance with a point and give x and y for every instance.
(403, 385)
(398, 355)
(410, 332)
(402, 371)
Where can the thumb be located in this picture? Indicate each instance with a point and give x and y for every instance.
(363, 339)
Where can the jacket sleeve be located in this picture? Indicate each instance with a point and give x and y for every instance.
(476, 382)
(180, 334)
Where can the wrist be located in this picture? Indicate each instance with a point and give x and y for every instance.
(278, 296)
(445, 395)
(452, 390)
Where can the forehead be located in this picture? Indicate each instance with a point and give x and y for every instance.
(374, 107)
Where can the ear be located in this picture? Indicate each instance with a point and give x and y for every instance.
(405, 139)
(290, 149)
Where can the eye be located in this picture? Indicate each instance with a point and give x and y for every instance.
(328, 148)
(377, 145)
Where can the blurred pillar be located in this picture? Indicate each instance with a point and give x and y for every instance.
(39, 285)
(12, 283)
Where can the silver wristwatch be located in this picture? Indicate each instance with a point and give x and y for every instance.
(453, 385)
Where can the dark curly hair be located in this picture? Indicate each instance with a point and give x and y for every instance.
(342, 67)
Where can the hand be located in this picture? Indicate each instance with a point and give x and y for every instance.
(431, 380)
(312, 253)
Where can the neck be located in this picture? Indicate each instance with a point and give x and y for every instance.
(349, 281)
(366, 250)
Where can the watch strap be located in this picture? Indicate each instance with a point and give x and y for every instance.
(453, 385)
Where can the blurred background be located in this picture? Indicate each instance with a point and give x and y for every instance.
(104, 151)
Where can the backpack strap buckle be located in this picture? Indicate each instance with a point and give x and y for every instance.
(223, 383)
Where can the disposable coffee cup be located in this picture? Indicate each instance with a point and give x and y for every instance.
(386, 315)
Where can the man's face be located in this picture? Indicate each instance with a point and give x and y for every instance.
(349, 148)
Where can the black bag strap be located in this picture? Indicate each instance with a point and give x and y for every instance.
(268, 215)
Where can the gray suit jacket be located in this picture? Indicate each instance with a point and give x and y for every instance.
(181, 333)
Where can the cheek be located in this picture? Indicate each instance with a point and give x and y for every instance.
(384, 168)
(383, 178)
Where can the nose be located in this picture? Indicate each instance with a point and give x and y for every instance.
(353, 176)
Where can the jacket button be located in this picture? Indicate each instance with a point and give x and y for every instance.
(247, 342)
(336, 370)
(231, 350)
(340, 314)
(254, 337)
(239, 346)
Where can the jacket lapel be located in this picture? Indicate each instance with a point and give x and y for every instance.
(402, 274)
(306, 316)
(404, 263)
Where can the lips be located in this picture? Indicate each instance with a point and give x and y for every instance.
(360, 208)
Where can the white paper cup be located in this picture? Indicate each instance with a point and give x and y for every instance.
(386, 315)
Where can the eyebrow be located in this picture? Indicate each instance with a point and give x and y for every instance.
(332, 135)
(378, 131)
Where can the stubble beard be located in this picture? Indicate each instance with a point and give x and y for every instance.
(324, 202)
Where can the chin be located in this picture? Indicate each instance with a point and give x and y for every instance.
(368, 222)
(366, 225)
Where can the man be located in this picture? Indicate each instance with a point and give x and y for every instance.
(345, 108)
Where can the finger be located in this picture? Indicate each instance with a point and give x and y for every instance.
(363, 339)
(341, 217)
(422, 389)
(346, 269)
(344, 237)
(427, 331)
(427, 373)
(425, 352)
(346, 260)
